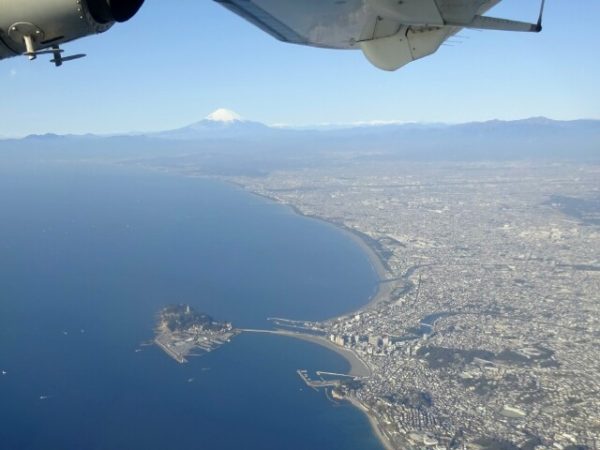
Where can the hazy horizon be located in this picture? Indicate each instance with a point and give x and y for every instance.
(304, 127)
(228, 62)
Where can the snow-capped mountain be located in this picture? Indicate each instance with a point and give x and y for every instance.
(224, 115)
(220, 124)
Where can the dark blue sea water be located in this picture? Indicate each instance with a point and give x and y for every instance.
(89, 254)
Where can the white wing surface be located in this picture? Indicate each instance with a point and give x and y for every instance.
(391, 33)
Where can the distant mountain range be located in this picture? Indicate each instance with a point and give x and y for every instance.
(226, 137)
(226, 124)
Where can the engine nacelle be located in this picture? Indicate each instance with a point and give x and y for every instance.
(30, 26)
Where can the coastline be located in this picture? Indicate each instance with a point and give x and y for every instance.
(385, 441)
(358, 368)
(383, 289)
(375, 260)
(381, 294)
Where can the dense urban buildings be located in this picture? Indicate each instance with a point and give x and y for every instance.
(486, 327)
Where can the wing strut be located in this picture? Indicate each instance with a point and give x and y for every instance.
(493, 23)
(539, 22)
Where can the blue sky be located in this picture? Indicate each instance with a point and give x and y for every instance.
(178, 60)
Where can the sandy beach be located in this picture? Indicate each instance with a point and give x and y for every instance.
(374, 424)
(358, 368)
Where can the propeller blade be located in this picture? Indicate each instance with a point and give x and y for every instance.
(72, 57)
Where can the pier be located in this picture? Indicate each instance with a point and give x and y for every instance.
(170, 351)
(316, 384)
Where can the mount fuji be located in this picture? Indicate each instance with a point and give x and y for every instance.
(220, 124)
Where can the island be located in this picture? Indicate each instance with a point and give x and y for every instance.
(181, 329)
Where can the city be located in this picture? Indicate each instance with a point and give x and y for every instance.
(486, 326)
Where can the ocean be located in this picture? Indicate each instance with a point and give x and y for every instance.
(90, 253)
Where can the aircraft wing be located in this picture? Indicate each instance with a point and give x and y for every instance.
(391, 33)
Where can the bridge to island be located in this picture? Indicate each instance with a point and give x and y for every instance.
(180, 329)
